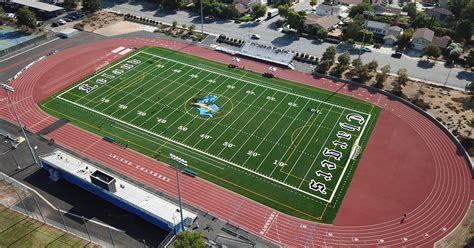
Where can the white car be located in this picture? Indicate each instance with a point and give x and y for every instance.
(61, 22)
(366, 49)
(10, 15)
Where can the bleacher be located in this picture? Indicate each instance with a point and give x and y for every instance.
(267, 53)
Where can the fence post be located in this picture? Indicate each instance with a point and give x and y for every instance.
(87, 229)
(22, 203)
(41, 213)
(144, 244)
(111, 238)
(62, 219)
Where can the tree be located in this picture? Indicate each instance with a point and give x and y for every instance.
(352, 31)
(329, 54)
(456, 6)
(463, 29)
(259, 10)
(70, 4)
(356, 63)
(26, 17)
(324, 66)
(344, 59)
(372, 65)
(296, 19)
(422, 20)
(470, 57)
(321, 33)
(404, 40)
(410, 9)
(189, 239)
(1, 10)
(455, 50)
(402, 76)
(91, 5)
(362, 73)
(313, 2)
(467, 11)
(381, 76)
(359, 9)
(432, 50)
(283, 10)
(174, 25)
(191, 28)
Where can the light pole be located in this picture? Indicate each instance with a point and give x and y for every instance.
(368, 14)
(202, 19)
(179, 161)
(8, 89)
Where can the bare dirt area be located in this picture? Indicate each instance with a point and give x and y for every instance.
(463, 235)
(98, 20)
(8, 195)
(123, 27)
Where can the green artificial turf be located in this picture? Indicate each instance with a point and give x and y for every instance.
(266, 141)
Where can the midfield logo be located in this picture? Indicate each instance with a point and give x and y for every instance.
(206, 105)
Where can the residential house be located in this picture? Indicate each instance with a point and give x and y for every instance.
(241, 9)
(391, 35)
(328, 9)
(442, 42)
(383, 10)
(326, 22)
(348, 2)
(440, 14)
(421, 38)
(378, 28)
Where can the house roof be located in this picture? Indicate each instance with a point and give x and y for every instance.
(424, 33)
(377, 25)
(443, 11)
(394, 30)
(326, 22)
(386, 37)
(241, 8)
(324, 7)
(38, 5)
(381, 9)
(244, 2)
(441, 41)
(350, 2)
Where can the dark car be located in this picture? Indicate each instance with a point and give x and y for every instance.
(54, 24)
(397, 55)
(268, 75)
(232, 66)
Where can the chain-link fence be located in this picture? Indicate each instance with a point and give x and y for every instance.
(17, 196)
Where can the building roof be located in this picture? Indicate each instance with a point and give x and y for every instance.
(350, 2)
(443, 11)
(38, 5)
(326, 22)
(241, 8)
(441, 41)
(424, 33)
(137, 196)
(376, 25)
(394, 30)
(386, 37)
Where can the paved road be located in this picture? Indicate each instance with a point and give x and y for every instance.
(433, 72)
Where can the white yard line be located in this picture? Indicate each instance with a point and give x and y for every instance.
(256, 129)
(264, 86)
(235, 120)
(310, 139)
(281, 136)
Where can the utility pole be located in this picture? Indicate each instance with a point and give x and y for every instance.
(179, 161)
(368, 14)
(202, 18)
(9, 89)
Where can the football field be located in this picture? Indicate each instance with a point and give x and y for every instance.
(286, 145)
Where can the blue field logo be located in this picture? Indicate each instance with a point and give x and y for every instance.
(206, 105)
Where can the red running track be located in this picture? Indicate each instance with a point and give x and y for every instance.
(409, 165)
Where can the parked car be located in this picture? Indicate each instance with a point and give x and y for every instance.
(54, 24)
(10, 15)
(39, 23)
(61, 22)
(255, 37)
(68, 19)
(232, 66)
(396, 55)
(366, 49)
(268, 75)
